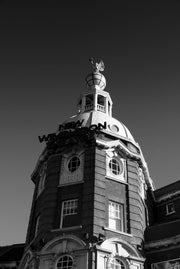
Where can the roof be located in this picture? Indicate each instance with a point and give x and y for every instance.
(11, 253)
(168, 191)
(113, 126)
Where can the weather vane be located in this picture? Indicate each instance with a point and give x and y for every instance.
(97, 67)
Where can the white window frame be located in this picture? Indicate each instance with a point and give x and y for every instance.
(142, 183)
(115, 215)
(68, 211)
(168, 210)
(122, 166)
(115, 166)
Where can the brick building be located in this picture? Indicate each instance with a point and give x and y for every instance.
(10, 256)
(94, 200)
(162, 238)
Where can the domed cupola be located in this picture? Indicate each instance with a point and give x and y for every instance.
(95, 99)
(95, 105)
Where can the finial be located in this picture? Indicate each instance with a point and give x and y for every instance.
(97, 67)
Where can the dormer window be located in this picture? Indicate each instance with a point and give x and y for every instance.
(89, 102)
(101, 103)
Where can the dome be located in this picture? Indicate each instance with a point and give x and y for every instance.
(112, 126)
(95, 107)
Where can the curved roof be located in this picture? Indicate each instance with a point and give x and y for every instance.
(113, 126)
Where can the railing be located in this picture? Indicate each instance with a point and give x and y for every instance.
(101, 108)
(88, 107)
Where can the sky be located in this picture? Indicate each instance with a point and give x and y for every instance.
(44, 52)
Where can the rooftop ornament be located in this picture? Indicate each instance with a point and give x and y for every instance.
(96, 80)
(97, 66)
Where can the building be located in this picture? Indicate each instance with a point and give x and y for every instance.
(94, 202)
(10, 256)
(162, 238)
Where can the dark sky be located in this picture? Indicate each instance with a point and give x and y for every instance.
(44, 52)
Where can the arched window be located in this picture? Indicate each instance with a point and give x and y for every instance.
(116, 263)
(65, 262)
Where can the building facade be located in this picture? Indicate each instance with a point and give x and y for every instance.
(94, 201)
(10, 256)
(162, 239)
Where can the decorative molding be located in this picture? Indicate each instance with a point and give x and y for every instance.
(120, 147)
(67, 229)
(168, 196)
(174, 240)
(115, 231)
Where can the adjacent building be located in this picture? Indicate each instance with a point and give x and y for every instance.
(10, 256)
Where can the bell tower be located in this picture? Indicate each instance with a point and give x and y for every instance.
(89, 208)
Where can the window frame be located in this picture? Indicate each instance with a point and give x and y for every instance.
(120, 217)
(70, 162)
(68, 266)
(169, 212)
(122, 176)
(76, 200)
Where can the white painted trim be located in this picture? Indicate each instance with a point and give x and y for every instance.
(167, 209)
(117, 180)
(67, 229)
(115, 231)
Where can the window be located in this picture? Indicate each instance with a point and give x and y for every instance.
(89, 102)
(101, 103)
(65, 262)
(42, 176)
(69, 213)
(116, 263)
(170, 208)
(116, 216)
(116, 167)
(73, 164)
(36, 226)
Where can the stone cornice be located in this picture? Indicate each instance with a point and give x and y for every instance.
(174, 240)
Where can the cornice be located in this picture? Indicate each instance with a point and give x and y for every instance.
(166, 242)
